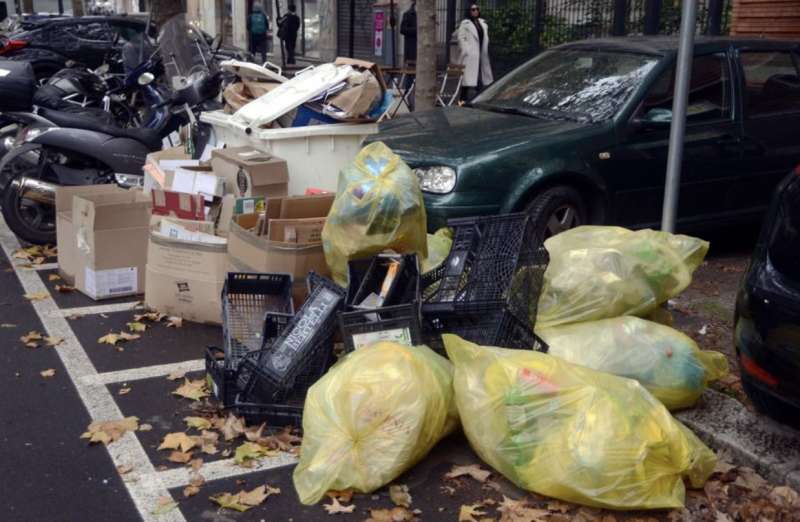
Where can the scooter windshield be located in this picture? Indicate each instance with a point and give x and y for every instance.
(185, 54)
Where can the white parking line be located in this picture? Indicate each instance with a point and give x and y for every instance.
(44, 266)
(96, 398)
(96, 310)
(222, 469)
(146, 372)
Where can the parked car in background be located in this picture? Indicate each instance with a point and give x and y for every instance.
(767, 334)
(580, 135)
(49, 43)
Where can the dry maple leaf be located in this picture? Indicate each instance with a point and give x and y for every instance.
(194, 390)
(136, 326)
(48, 373)
(190, 491)
(196, 464)
(164, 505)
(145, 427)
(249, 451)
(198, 423)
(53, 341)
(124, 469)
(231, 427)
(178, 440)
(345, 495)
(174, 376)
(473, 470)
(207, 441)
(37, 296)
(785, 497)
(54, 277)
(399, 495)
(335, 507)
(149, 316)
(64, 289)
(253, 433)
(49, 251)
(124, 391)
(468, 513)
(110, 431)
(397, 514)
(32, 336)
(244, 500)
(180, 457)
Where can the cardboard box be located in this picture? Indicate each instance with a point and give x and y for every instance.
(158, 164)
(65, 232)
(111, 232)
(299, 207)
(308, 230)
(364, 65)
(178, 204)
(199, 179)
(251, 172)
(185, 278)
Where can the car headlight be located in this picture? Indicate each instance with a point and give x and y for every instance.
(439, 180)
(129, 180)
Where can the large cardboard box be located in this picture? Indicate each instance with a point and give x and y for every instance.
(111, 232)
(65, 232)
(185, 278)
(251, 172)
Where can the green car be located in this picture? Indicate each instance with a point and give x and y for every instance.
(580, 134)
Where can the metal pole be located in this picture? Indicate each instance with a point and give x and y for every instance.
(683, 76)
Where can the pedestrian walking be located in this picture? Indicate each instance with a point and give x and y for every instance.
(258, 26)
(473, 43)
(289, 25)
(408, 28)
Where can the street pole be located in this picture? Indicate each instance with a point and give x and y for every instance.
(683, 76)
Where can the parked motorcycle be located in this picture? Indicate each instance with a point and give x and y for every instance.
(82, 151)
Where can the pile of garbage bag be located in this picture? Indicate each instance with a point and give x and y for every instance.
(378, 206)
(597, 272)
(375, 414)
(665, 361)
(573, 433)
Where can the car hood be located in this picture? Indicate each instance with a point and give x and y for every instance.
(457, 135)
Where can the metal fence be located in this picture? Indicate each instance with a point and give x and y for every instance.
(520, 28)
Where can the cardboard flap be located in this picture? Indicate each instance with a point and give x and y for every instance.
(64, 195)
(128, 209)
(299, 207)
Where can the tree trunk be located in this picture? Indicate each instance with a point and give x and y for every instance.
(163, 10)
(77, 8)
(27, 6)
(425, 90)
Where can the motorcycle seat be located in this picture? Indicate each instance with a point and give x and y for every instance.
(148, 137)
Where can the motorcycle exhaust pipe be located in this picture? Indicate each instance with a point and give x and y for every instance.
(37, 190)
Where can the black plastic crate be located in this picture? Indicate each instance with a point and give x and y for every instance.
(246, 298)
(274, 324)
(491, 328)
(223, 378)
(400, 323)
(495, 262)
(286, 358)
(403, 289)
(275, 415)
(356, 270)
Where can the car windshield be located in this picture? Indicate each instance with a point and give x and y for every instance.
(579, 84)
(784, 243)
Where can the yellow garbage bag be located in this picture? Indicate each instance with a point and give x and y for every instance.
(439, 245)
(378, 207)
(665, 361)
(597, 272)
(573, 433)
(371, 417)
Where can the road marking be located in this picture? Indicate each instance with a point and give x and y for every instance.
(43, 266)
(146, 372)
(221, 469)
(95, 310)
(97, 399)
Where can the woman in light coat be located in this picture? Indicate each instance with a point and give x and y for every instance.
(473, 43)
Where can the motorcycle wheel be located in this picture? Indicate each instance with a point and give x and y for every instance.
(30, 220)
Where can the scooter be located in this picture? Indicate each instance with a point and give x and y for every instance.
(82, 151)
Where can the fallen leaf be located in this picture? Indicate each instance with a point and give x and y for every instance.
(253, 433)
(165, 505)
(397, 514)
(785, 497)
(231, 427)
(53, 341)
(560, 507)
(473, 470)
(145, 427)
(178, 440)
(196, 479)
(110, 431)
(207, 441)
(174, 376)
(30, 339)
(174, 322)
(399, 494)
(194, 390)
(38, 296)
(47, 373)
(196, 464)
(113, 338)
(136, 326)
(49, 251)
(124, 391)
(190, 491)
(244, 500)
(124, 469)
(180, 457)
(749, 479)
(64, 289)
(74, 316)
(345, 495)
(335, 507)
(248, 451)
(149, 316)
(198, 423)
(53, 277)
(519, 511)
(468, 513)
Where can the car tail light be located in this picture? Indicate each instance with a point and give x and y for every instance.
(12, 45)
(750, 366)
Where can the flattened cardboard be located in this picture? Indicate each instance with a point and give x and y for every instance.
(363, 65)
(65, 231)
(300, 207)
(251, 172)
(178, 204)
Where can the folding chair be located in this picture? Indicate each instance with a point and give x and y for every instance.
(403, 93)
(451, 85)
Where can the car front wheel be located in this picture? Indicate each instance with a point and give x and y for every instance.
(555, 210)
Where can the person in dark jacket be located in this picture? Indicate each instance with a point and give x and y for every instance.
(258, 26)
(408, 28)
(289, 26)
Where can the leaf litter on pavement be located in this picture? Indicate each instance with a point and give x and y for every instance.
(245, 500)
(107, 432)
